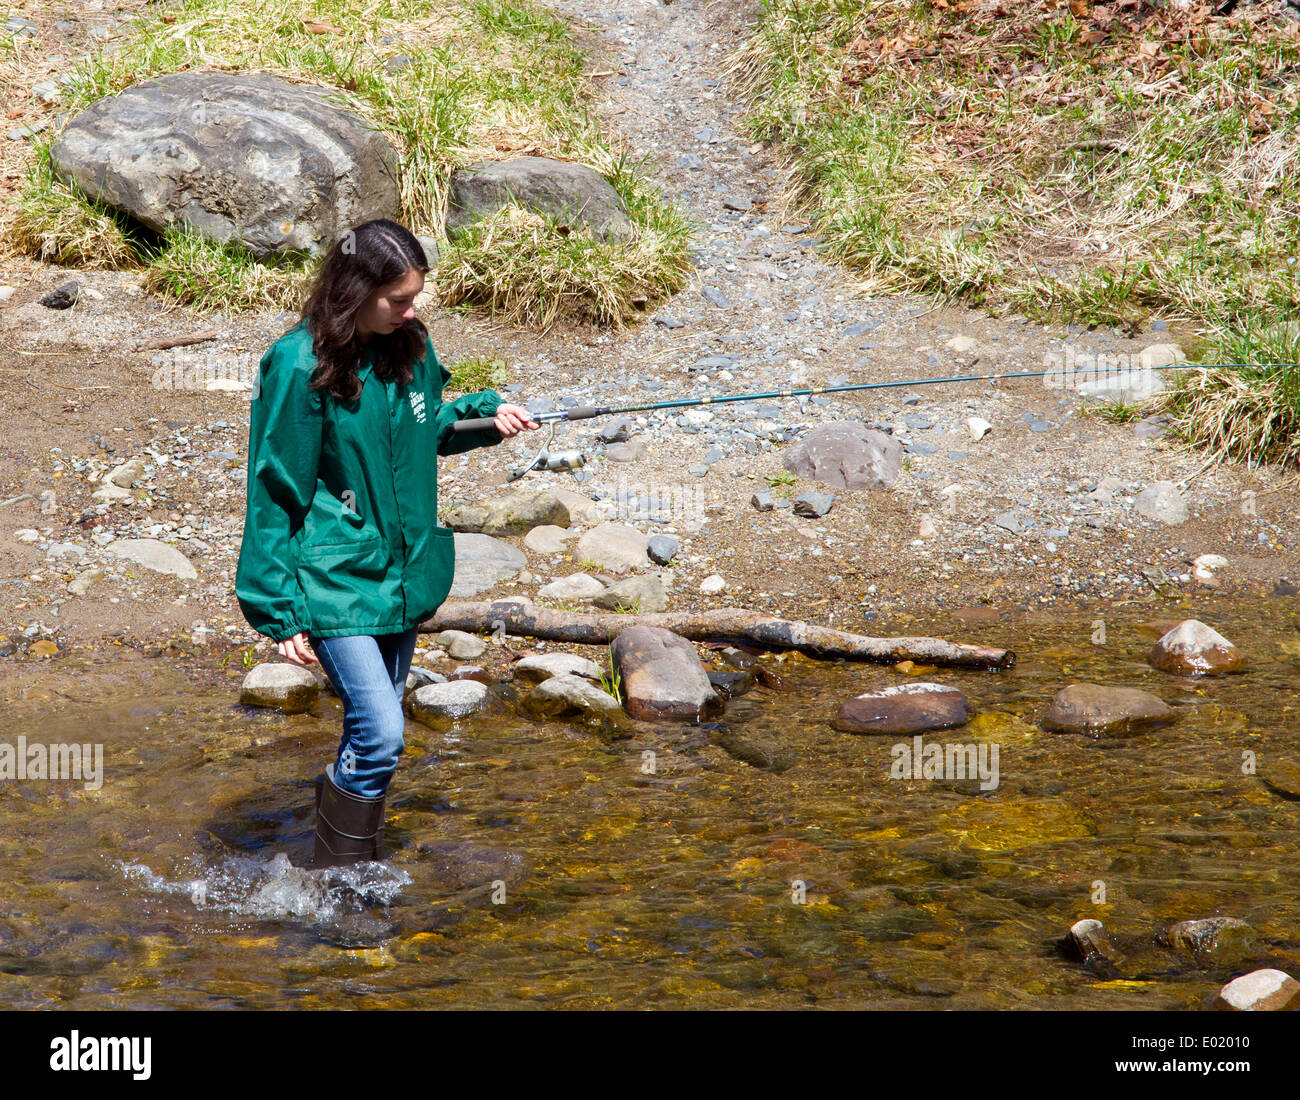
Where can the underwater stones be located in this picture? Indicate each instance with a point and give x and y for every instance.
(903, 708)
(454, 699)
(1259, 991)
(1098, 709)
(1281, 776)
(290, 688)
(1194, 649)
(1007, 826)
(662, 676)
(546, 665)
(1213, 941)
(1089, 940)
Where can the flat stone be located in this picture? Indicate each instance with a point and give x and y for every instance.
(846, 455)
(614, 547)
(646, 593)
(483, 562)
(1162, 501)
(813, 504)
(154, 555)
(549, 539)
(516, 513)
(545, 665)
(1103, 709)
(903, 708)
(579, 587)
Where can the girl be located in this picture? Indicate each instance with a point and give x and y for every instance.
(342, 555)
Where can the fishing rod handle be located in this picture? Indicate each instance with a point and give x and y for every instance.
(578, 412)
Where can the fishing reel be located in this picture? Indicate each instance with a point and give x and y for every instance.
(546, 459)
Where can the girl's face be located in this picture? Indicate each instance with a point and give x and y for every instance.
(390, 306)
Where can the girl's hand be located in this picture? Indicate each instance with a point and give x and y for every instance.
(297, 650)
(513, 419)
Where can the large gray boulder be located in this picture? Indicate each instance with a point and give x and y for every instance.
(572, 193)
(483, 562)
(846, 454)
(237, 156)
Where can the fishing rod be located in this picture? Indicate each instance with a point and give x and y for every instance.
(1073, 376)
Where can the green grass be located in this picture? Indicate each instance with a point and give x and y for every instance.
(472, 373)
(611, 681)
(484, 80)
(1020, 159)
(1116, 412)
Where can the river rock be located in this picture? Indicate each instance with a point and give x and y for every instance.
(579, 587)
(662, 549)
(1214, 941)
(567, 694)
(615, 547)
(662, 676)
(1103, 709)
(545, 665)
(548, 539)
(730, 682)
(80, 584)
(813, 505)
(1194, 649)
(571, 193)
(1281, 776)
(483, 562)
(1260, 991)
(290, 688)
(712, 584)
(462, 645)
(513, 514)
(126, 475)
(903, 708)
(1088, 940)
(454, 699)
(418, 677)
(154, 555)
(581, 509)
(646, 593)
(756, 747)
(246, 157)
(846, 455)
(1162, 501)
(472, 672)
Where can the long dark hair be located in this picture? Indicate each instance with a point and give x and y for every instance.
(362, 260)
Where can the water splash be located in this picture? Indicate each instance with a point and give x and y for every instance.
(274, 889)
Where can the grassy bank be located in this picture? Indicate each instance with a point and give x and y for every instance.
(1096, 164)
(450, 82)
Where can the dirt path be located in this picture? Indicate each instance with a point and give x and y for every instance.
(80, 398)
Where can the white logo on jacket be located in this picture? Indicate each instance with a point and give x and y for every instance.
(417, 403)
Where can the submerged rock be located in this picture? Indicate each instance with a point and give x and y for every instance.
(1089, 940)
(903, 708)
(1194, 649)
(1213, 941)
(1102, 709)
(662, 676)
(290, 688)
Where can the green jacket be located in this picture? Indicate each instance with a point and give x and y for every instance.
(341, 534)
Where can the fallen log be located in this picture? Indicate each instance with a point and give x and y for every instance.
(167, 342)
(521, 617)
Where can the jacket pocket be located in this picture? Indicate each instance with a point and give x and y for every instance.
(440, 566)
(347, 584)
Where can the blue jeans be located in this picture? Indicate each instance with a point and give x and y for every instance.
(369, 674)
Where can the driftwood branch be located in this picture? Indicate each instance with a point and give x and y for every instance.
(179, 341)
(521, 617)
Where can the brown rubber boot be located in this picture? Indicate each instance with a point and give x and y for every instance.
(349, 828)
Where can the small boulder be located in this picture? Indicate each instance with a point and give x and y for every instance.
(1163, 502)
(568, 694)
(903, 708)
(1214, 941)
(1260, 991)
(615, 547)
(1098, 709)
(645, 593)
(578, 587)
(454, 699)
(290, 688)
(1194, 649)
(846, 455)
(662, 676)
(462, 645)
(548, 539)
